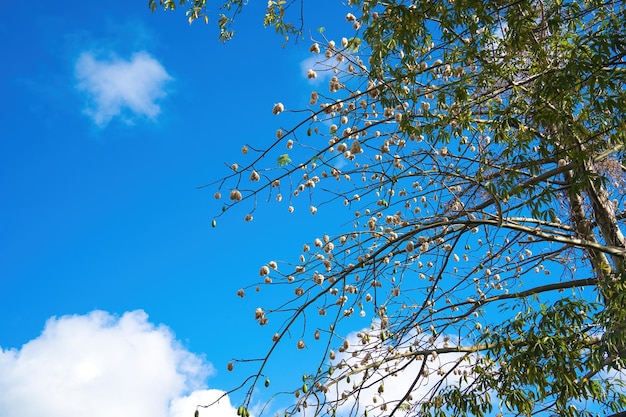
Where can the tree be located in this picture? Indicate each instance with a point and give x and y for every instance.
(477, 150)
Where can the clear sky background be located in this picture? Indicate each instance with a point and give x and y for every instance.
(117, 297)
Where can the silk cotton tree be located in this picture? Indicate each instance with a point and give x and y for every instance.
(476, 150)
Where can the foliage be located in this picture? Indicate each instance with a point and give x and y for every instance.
(477, 150)
(197, 9)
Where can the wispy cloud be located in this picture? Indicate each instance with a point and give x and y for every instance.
(100, 365)
(121, 88)
(324, 68)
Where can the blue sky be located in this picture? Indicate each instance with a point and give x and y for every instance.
(110, 118)
(118, 298)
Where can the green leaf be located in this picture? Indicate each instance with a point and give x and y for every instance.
(283, 160)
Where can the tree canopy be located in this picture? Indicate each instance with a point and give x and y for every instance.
(477, 151)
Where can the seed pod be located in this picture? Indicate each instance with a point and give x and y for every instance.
(267, 382)
(305, 388)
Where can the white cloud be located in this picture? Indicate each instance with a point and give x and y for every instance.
(102, 366)
(400, 374)
(115, 87)
(323, 67)
(183, 407)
